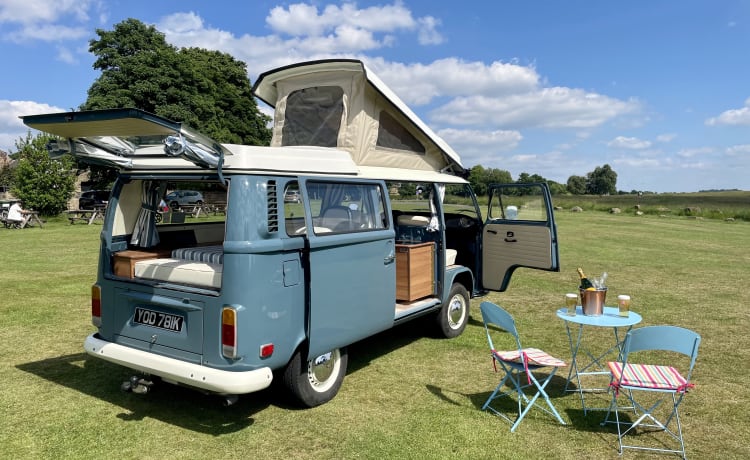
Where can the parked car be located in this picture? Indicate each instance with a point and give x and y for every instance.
(291, 196)
(91, 199)
(183, 197)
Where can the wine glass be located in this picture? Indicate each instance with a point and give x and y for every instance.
(570, 302)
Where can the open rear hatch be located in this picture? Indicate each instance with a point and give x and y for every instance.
(127, 139)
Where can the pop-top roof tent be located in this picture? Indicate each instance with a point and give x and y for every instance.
(331, 116)
(341, 103)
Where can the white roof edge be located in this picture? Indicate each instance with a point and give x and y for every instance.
(408, 175)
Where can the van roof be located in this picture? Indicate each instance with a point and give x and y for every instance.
(133, 140)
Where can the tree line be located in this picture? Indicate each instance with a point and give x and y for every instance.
(209, 91)
(601, 181)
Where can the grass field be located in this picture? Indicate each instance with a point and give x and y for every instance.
(407, 394)
(710, 205)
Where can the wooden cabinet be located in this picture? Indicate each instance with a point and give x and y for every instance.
(124, 261)
(415, 271)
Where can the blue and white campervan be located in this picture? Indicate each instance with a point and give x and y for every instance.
(358, 217)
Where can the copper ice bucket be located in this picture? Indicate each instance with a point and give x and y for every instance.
(592, 302)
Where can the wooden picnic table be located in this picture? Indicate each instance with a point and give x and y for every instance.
(87, 215)
(196, 210)
(30, 219)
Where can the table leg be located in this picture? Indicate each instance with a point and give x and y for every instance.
(596, 365)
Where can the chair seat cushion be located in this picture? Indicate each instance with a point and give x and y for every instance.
(647, 376)
(534, 357)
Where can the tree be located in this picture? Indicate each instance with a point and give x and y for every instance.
(481, 178)
(601, 181)
(42, 183)
(557, 188)
(576, 185)
(207, 90)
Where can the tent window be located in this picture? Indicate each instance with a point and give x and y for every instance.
(313, 116)
(393, 135)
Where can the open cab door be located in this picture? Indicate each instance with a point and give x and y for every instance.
(519, 231)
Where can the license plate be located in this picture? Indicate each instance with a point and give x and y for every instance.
(158, 319)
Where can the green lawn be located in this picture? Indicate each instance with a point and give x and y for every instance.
(407, 394)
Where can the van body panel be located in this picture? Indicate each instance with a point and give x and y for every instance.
(352, 274)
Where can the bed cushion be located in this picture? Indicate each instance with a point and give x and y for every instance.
(208, 254)
(180, 271)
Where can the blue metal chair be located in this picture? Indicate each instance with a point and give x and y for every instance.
(516, 363)
(631, 378)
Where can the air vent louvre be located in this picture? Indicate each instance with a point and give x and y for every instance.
(273, 207)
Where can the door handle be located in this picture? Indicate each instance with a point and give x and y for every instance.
(510, 237)
(389, 259)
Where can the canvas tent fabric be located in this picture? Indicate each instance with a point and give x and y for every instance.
(341, 103)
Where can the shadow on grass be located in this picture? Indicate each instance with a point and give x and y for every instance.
(179, 406)
(554, 390)
(187, 407)
(362, 353)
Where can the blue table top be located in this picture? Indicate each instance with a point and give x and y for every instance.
(610, 317)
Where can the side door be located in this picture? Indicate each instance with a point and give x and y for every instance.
(352, 269)
(519, 231)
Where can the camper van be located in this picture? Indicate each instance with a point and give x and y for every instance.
(356, 218)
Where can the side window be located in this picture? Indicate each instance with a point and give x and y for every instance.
(294, 210)
(346, 207)
(522, 202)
(393, 135)
(313, 116)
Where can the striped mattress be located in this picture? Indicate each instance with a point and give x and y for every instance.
(206, 254)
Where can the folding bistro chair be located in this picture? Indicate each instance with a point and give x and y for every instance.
(515, 364)
(630, 380)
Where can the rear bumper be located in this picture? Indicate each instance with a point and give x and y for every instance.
(174, 370)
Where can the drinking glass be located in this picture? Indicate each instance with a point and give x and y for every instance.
(570, 302)
(623, 303)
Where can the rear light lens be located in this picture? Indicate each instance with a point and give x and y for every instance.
(96, 305)
(229, 332)
(266, 350)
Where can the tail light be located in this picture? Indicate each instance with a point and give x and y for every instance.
(96, 305)
(229, 332)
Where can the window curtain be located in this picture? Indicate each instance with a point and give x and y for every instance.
(144, 233)
(434, 221)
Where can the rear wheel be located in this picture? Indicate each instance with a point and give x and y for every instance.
(454, 314)
(318, 380)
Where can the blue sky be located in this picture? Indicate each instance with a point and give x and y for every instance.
(657, 89)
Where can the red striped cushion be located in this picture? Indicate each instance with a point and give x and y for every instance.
(534, 356)
(648, 376)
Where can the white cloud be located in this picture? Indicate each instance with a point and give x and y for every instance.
(666, 137)
(495, 140)
(47, 33)
(419, 83)
(428, 34)
(735, 117)
(301, 19)
(40, 19)
(546, 108)
(737, 150)
(699, 151)
(36, 11)
(11, 126)
(632, 143)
